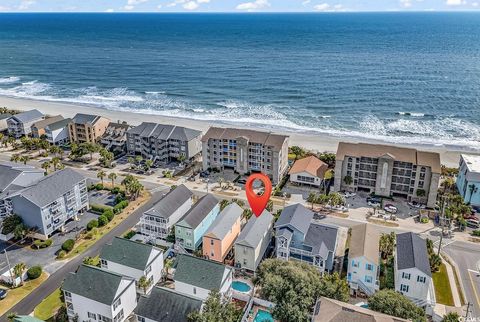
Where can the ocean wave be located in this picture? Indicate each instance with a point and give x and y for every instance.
(413, 114)
(9, 80)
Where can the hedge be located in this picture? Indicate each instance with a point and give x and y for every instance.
(99, 209)
(34, 272)
(109, 214)
(68, 245)
(42, 244)
(92, 224)
(61, 254)
(120, 206)
(102, 221)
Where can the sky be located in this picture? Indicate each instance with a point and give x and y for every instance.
(235, 5)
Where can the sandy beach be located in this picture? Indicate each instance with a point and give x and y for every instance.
(320, 143)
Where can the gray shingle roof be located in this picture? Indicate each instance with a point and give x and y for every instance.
(199, 272)
(94, 283)
(254, 230)
(43, 123)
(171, 202)
(128, 253)
(164, 132)
(225, 220)
(10, 171)
(365, 242)
(164, 304)
(5, 116)
(297, 216)
(412, 253)
(51, 187)
(321, 238)
(28, 116)
(59, 124)
(199, 211)
(265, 138)
(81, 118)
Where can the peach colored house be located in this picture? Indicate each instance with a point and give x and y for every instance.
(219, 239)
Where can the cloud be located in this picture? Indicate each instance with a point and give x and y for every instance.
(322, 7)
(24, 5)
(159, 6)
(132, 3)
(406, 3)
(203, 1)
(325, 7)
(4, 8)
(475, 4)
(110, 10)
(255, 5)
(191, 5)
(306, 2)
(455, 2)
(128, 7)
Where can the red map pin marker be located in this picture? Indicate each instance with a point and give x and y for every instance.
(258, 203)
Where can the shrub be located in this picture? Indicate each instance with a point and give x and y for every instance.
(92, 224)
(48, 242)
(89, 235)
(68, 245)
(42, 244)
(115, 190)
(424, 220)
(91, 187)
(99, 209)
(61, 254)
(102, 221)
(120, 206)
(119, 198)
(109, 214)
(99, 186)
(476, 233)
(34, 272)
(129, 235)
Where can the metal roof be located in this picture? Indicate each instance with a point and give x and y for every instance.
(28, 116)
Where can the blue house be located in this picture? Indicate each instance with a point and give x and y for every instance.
(468, 180)
(191, 228)
(297, 238)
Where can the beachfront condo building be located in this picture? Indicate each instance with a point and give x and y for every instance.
(21, 124)
(38, 128)
(388, 171)
(164, 143)
(50, 202)
(115, 137)
(468, 179)
(245, 151)
(87, 128)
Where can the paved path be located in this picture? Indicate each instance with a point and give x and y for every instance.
(28, 304)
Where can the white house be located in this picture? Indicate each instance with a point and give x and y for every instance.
(133, 259)
(57, 133)
(308, 171)
(196, 277)
(157, 222)
(21, 124)
(413, 277)
(95, 294)
(363, 260)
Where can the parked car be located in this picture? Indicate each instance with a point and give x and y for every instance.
(390, 208)
(3, 293)
(204, 174)
(473, 223)
(319, 216)
(242, 181)
(374, 199)
(415, 204)
(466, 217)
(349, 194)
(373, 204)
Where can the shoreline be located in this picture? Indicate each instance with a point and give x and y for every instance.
(314, 142)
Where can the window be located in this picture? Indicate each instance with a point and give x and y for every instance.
(421, 279)
(212, 254)
(406, 275)
(119, 316)
(211, 242)
(369, 267)
(116, 304)
(92, 315)
(355, 264)
(244, 261)
(404, 288)
(148, 270)
(368, 279)
(67, 294)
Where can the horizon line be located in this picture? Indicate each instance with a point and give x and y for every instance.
(243, 12)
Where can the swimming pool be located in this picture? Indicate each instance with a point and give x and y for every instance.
(241, 286)
(263, 316)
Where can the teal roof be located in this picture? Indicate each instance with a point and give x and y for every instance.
(127, 252)
(199, 272)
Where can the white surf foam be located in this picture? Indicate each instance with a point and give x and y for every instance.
(9, 80)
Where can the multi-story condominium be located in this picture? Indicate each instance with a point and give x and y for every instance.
(468, 179)
(308, 171)
(196, 277)
(330, 310)
(219, 238)
(297, 238)
(38, 128)
(164, 143)
(388, 171)
(253, 241)
(87, 128)
(15, 177)
(164, 304)
(133, 259)
(57, 133)
(157, 222)
(363, 260)
(191, 228)
(95, 294)
(115, 136)
(3, 121)
(48, 203)
(246, 151)
(21, 124)
(413, 277)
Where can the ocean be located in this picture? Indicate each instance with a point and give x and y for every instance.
(395, 77)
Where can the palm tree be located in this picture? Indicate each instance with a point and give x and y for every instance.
(15, 158)
(112, 176)
(55, 163)
(220, 181)
(148, 164)
(348, 180)
(101, 174)
(387, 244)
(135, 189)
(11, 316)
(24, 159)
(18, 271)
(144, 283)
(45, 166)
(168, 264)
(182, 158)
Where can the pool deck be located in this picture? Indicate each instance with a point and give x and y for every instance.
(251, 317)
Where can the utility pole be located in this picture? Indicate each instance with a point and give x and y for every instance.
(443, 225)
(8, 264)
(468, 310)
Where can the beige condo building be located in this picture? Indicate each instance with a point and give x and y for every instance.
(87, 128)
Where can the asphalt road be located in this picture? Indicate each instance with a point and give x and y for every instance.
(28, 304)
(467, 257)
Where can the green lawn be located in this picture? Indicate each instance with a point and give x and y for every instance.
(443, 293)
(49, 306)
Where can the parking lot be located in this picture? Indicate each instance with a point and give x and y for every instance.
(101, 198)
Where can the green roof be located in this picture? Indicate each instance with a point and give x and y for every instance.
(26, 318)
(127, 252)
(93, 283)
(199, 272)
